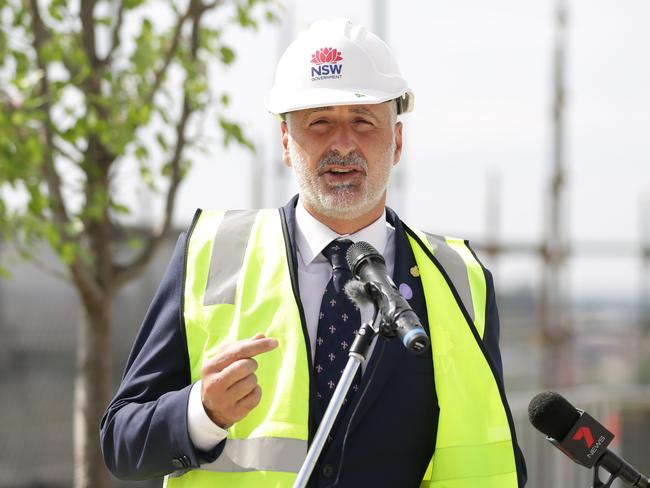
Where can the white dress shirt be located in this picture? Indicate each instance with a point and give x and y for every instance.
(314, 271)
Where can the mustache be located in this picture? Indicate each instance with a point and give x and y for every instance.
(334, 158)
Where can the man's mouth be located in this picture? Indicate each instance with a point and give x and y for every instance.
(342, 170)
(342, 175)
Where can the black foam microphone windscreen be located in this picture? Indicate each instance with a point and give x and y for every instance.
(552, 414)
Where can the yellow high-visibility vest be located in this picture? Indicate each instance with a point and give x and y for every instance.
(238, 283)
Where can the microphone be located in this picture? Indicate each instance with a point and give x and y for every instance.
(580, 437)
(368, 266)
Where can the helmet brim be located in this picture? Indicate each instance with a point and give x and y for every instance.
(329, 97)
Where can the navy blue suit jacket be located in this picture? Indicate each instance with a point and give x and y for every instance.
(391, 437)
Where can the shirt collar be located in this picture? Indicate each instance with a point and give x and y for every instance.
(312, 235)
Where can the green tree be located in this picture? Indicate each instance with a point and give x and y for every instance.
(87, 88)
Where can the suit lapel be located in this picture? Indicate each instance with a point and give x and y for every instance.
(384, 364)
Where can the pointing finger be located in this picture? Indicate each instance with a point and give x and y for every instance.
(239, 350)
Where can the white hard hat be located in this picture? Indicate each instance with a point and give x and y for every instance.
(337, 62)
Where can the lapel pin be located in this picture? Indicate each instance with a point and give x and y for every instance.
(415, 271)
(406, 291)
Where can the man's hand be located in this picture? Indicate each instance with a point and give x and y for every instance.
(229, 388)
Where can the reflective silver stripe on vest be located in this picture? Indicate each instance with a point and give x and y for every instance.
(260, 454)
(228, 255)
(455, 267)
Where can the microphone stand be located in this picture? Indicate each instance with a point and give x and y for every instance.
(615, 472)
(597, 481)
(357, 355)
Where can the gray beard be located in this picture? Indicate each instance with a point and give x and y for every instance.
(339, 202)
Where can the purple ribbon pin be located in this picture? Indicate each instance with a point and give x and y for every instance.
(406, 291)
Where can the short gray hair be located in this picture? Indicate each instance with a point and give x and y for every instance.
(393, 112)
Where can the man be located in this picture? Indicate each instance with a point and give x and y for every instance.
(247, 335)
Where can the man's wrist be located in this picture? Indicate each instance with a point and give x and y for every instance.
(204, 433)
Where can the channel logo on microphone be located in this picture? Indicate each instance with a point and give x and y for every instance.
(584, 433)
(586, 441)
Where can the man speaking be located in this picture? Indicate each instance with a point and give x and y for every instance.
(247, 336)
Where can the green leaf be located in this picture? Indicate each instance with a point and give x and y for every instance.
(131, 4)
(52, 235)
(96, 205)
(185, 166)
(147, 178)
(18, 118)
(37, 202)
(142, 153)
(160, 137)
(51, 50)
(133, 243)
(55, 9)
(68, 252)
(119, 208)
(271, 17)
(210, 39)
(233, 132)
(147, 27)
(4, 273)
(19, 17)
(227, 55)
(244, 18)
(105, 21)
(23, 64)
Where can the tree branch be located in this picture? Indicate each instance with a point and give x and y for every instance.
(45, 267)
(115, 37)
(88, 31)
(80, 272)
(195, 9)
(137, 266)
(66, 153)
(51, 176)
(124, 274)
(98, 159)
(167, 59)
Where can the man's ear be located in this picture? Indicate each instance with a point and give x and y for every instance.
(286, 159)
(398, 143)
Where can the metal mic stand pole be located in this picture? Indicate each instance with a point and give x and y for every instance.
(357, 355)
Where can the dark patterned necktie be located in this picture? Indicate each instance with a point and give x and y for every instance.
(338, 322)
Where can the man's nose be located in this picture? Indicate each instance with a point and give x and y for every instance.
(344, 141)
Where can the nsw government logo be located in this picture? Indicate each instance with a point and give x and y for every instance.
(326, 60)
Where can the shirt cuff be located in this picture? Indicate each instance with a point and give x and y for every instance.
(204, 433)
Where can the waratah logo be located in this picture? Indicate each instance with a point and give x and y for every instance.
(326, 60)
(326, 55)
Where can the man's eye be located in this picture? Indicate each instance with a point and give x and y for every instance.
(363, 122)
